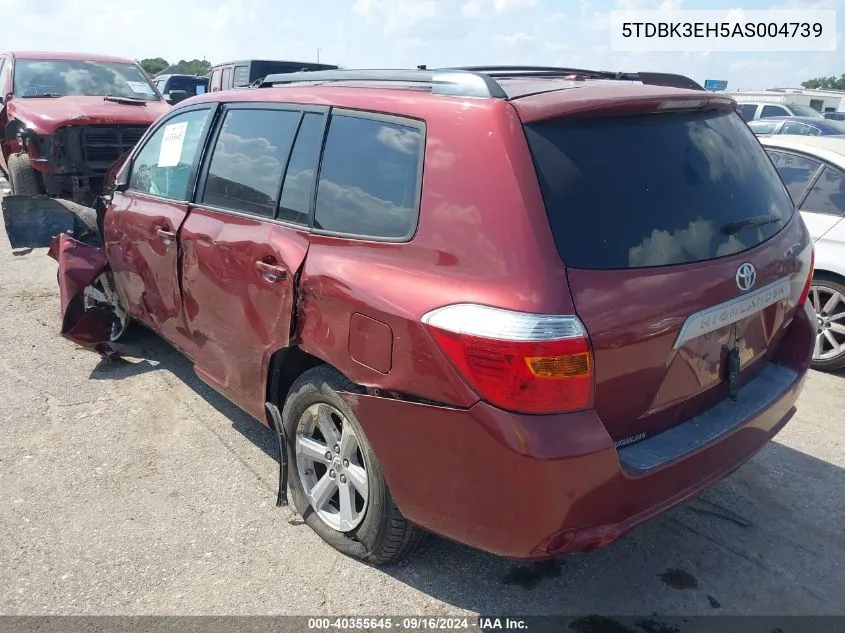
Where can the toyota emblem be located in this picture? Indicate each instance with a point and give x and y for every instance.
(746, 275)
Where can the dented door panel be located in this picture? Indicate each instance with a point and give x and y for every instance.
(144, 256)
(238, 275)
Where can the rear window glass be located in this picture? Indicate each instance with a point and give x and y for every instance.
(655, 190)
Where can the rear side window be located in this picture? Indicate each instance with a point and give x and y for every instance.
(761, 126)
(828, 193)
(370, 177)
(295, 205)
(248, 160)
(795, 171)
(748, 111)
(227, 76)
(794, 127)
(655, 190)
(770, 110)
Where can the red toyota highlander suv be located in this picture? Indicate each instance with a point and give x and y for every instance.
(523, 308)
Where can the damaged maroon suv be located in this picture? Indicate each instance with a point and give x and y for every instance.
(526, 309)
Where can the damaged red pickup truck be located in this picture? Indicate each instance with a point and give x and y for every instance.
(526, 309)
(66, 118)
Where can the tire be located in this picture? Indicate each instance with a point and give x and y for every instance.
(823, 288)
(381, 535)
(23, 179)
(123, 322)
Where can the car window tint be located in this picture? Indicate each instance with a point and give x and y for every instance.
(748, 111)
(763, 127)
(770, 110)
(163, 166)
(795, 171)
(295, 205)
(663, 196)
(794, 127)
(241, 77)
(248, 159)
(5, 70)
(369, 178)
(827, 194)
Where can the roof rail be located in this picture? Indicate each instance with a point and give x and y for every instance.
(669, 80)
(445, 81)
(470, 81)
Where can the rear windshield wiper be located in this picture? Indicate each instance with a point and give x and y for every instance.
(732, 228)
(125, 100)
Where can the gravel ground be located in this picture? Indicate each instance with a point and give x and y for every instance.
(132, 488)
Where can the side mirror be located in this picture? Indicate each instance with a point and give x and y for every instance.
(175, 96)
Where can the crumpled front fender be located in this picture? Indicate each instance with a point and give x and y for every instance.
(79, 265)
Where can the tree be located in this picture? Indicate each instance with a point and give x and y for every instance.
(155, 65)
(826, 83)
(192, 67)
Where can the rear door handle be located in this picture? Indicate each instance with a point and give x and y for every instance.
(166, 236)
(271, 272)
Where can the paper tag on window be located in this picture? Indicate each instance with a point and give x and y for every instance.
(171, 144)
(140, 87)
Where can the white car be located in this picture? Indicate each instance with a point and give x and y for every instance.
(813, 170)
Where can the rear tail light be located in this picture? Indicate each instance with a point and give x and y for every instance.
(806, 292)
(527, 363)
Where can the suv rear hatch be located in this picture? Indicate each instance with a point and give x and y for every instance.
(657, 208)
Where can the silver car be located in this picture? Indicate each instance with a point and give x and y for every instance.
(813, 170)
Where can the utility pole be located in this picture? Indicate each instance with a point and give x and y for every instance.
(318, 55)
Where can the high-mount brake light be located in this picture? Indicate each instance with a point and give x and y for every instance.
(518, 361)
(683, 104)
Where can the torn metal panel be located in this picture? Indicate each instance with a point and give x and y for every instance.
(33, 221)
(79, 265)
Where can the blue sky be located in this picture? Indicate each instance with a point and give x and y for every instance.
(399, 33)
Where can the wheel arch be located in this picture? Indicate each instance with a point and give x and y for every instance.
(824, 273)
(286, 365)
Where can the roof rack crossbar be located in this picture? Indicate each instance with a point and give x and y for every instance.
(471, 81)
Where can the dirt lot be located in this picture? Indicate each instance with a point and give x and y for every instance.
(131, 488)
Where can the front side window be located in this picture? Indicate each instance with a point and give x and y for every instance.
(248, 160)
(369, 178)
(74, 77)
(795, 171)
(214, 84)
(163, 166)
(227, 75)
(828, 193)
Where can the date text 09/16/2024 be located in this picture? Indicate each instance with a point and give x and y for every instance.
(417, 623)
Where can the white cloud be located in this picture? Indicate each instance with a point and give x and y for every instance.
(511, 41)
(397, 17)
(488, 8)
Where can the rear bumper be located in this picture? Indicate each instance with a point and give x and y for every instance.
(533, 487)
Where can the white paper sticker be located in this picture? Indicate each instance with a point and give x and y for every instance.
(140, 87)
(171, 144)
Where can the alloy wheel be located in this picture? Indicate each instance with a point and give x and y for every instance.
(829, 305)
(331, 467)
